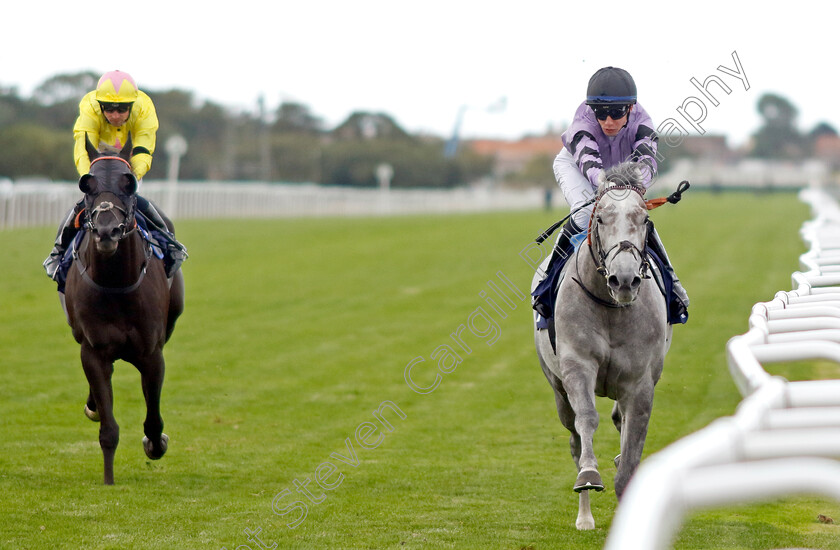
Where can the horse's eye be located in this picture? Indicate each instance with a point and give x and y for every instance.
(599, 219)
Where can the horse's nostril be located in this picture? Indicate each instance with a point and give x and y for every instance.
(613, 281)
(115, 233)
(635, 283)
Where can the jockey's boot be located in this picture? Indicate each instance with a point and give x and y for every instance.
(655, 244)
(66, 231)
(175, 253)
(546, 291)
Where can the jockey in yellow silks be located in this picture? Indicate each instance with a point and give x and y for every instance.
(116, 100)
(107, 116)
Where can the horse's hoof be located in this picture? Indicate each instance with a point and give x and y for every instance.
(617, 460)
(149, 448)
(588, 480)
(93, 415)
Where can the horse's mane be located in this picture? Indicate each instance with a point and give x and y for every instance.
(106, 149)
(624, 174)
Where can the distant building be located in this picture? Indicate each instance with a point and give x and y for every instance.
(705, 147)
(513, 156)
(827, 149)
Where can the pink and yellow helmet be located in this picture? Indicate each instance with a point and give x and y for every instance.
(116, 87)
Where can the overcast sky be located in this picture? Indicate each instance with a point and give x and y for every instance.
(420, 62)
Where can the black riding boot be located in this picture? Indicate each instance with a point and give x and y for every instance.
(174, 253)
(654, 243)
(546, 291)
(66, 231)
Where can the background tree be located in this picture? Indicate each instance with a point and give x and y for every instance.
(292, 145)
(778, 137)
(296, 118)
(55, 103)
(34, 151)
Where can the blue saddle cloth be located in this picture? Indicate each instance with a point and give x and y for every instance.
(154, 238)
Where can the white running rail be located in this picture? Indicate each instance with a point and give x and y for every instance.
(27, 205)
(784, 438)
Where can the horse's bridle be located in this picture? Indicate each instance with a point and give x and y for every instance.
(603, 255)
(126, 227)
(129, 224)
(601, 261)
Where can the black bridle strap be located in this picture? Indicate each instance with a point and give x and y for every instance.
(601, 266)
(596, 299)
(107, 206)
(589, 293)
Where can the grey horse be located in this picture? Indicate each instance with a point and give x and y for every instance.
(612, 334)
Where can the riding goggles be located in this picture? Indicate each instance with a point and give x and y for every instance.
(112, 107)
(615, 112)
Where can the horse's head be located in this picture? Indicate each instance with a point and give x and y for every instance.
(619, 231)
(110, 196)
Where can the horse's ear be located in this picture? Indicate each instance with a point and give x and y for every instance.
(87, 184)
(125, 152)
(91, 150)
(602, 180)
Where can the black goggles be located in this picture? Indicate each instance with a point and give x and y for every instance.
(615, 112)
(115, 107)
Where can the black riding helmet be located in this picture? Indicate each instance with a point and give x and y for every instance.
(611, 86)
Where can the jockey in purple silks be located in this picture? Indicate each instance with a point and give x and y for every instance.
(609, 128)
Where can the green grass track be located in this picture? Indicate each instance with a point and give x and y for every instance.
(287, 404)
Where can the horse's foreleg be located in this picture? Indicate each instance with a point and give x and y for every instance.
(98, 372)
(580, 392)
(636, 418)
(567, 418)
(90, 407)
(584, 520)
(151, 376)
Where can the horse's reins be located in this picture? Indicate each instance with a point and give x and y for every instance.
(600, 266)
(673, 198)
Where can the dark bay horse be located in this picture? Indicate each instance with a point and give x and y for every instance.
(612, 334)
(120, 304)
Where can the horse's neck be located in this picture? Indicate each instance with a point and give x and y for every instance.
(120, 268)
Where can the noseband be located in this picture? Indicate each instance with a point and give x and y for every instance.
(107, 206)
